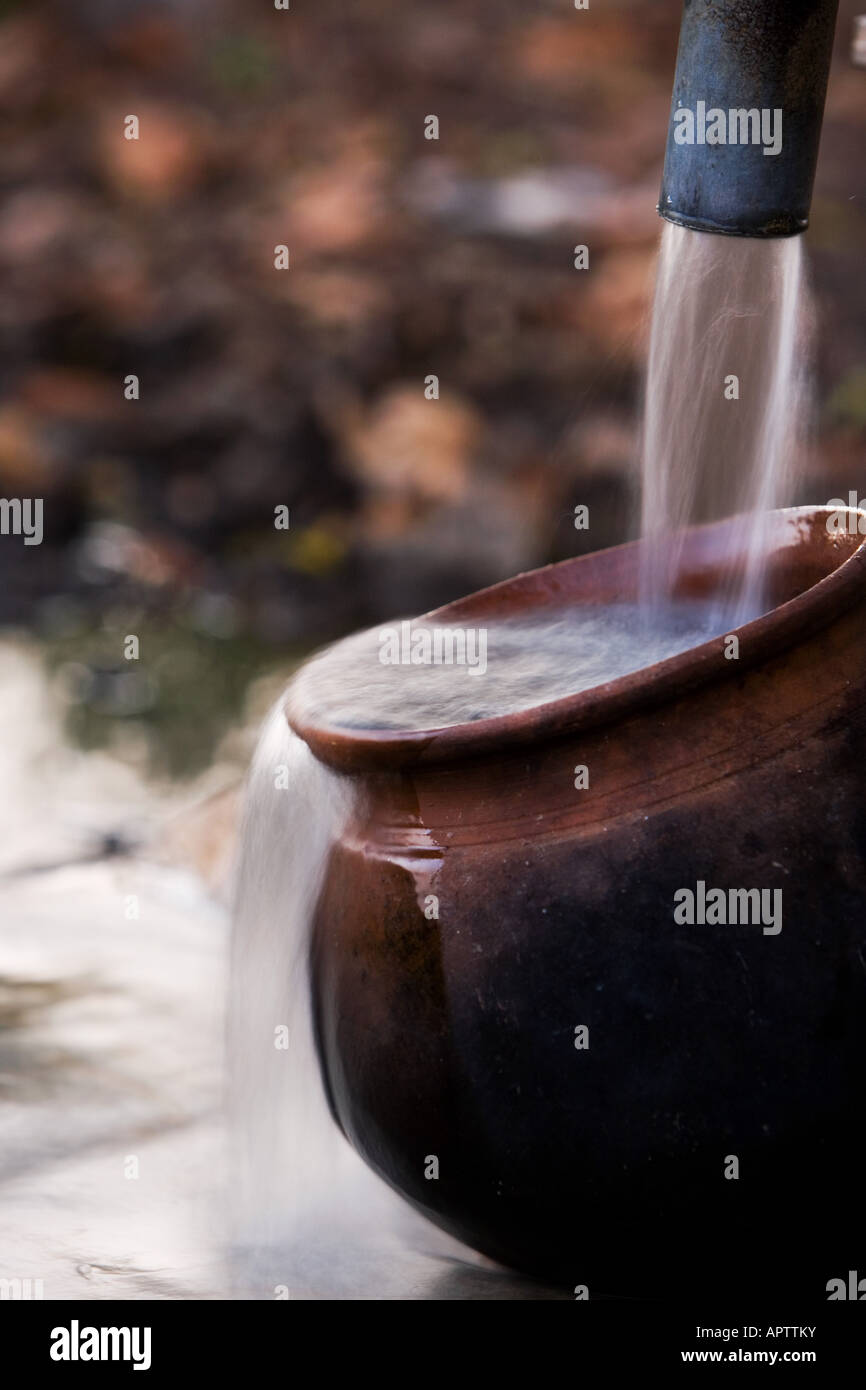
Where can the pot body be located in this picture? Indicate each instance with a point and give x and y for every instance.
(616, 1098)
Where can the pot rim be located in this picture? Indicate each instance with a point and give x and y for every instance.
(763, 637)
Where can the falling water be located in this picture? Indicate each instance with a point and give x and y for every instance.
(725, 401)
(306, 1214)
(294, 810)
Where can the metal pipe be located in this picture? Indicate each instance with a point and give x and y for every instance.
(746, 115)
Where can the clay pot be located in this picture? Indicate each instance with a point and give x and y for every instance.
(454, 1037)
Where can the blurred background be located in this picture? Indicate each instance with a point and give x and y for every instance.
(305, 387)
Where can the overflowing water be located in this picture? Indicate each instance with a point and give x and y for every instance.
(726, 401)
(294, 810)
(308, 1219)
(508, 666)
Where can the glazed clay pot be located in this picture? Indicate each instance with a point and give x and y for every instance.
(610, 1165)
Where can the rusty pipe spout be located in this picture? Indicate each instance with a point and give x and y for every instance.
(746, 114)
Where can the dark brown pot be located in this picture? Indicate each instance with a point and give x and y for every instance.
(455, 1037)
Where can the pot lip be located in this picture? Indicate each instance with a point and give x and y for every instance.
(613, 701)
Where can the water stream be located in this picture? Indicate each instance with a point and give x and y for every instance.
(726, 401)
